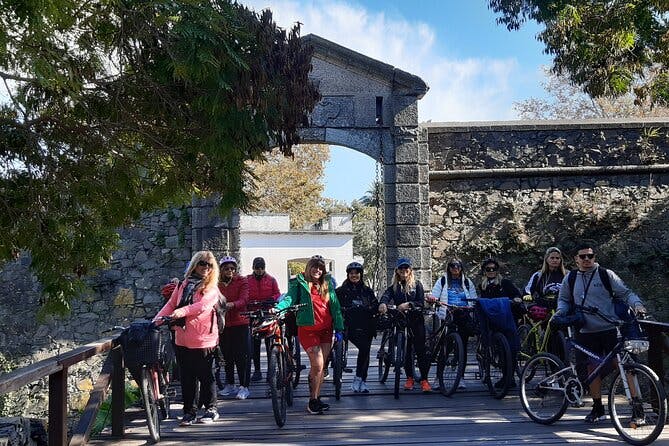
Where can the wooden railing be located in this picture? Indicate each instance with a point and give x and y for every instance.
(56, 368)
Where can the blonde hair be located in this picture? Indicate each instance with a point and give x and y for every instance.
(409, 285)
(321, 283)
(212, 278)
(485, 281)
(544, 267)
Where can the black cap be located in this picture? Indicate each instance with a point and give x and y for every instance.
(258, 262)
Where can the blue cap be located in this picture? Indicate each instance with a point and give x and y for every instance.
(403, 261)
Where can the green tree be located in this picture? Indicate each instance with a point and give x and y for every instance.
(291, 184)
(112, 109)
(610, 48)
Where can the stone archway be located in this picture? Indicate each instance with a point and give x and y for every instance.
(371, 107)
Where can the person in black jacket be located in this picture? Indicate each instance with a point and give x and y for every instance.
(493, 285)
(407, 292)
(359, 306)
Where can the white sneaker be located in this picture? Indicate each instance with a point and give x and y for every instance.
(228, 390)
(363, 387)
(355, 385)
(462, 385)
(435, 384)
(243, 393)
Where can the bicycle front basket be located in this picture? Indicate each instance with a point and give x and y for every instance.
(141, 343)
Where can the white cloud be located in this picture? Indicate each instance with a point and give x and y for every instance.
(460, 89)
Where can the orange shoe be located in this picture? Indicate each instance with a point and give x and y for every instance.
(409, 384)
(425, 386)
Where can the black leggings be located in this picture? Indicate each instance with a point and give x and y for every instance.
(256, 351)
(416, 343)
(195, 365)
(236, 346)
(363, 341)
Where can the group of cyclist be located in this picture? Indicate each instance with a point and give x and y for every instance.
(329, 309)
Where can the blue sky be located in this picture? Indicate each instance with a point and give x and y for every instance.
(475, 68)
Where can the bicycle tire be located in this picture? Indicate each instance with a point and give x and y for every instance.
(544, 400)
(290, 392)
(150, 396)
(481, 362)
(451, 362)
(277, 389)
(398, 361)
(385, 357)
(337, 367)
(501, 366)
(640, 421)
(165, 397)
(296, 353)
(527, 347)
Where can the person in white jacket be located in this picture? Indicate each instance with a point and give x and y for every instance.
(455, 288)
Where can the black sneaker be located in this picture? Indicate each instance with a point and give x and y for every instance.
(257, 376)
(324, 406)
(638, 417)
(187, 419)
(597, 413)
(314, 407)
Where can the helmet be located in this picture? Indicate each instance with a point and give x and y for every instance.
(354, 265)
(258, 262)
(488, 262)
(227, 259)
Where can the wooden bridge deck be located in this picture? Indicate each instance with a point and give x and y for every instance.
(469, 417)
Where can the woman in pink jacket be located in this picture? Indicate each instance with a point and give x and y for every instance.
(191, 306)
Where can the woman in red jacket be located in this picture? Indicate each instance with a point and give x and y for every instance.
(191, 305)
(235, 340)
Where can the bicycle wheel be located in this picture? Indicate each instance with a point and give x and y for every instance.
(150, 396)
(527, 347)
(296, 353)
(277, 389)
(481, 362)
(451, 363)
(337, 367)
(501, 366)
(399, 361)
(384, 358)
(542, 388)
(639, 420)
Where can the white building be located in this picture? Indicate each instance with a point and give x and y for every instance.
(269, 236)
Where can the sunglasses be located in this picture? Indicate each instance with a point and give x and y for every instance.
(455, 265)
(229, 268)
(490, 270)
(586, 256)
(203, 263)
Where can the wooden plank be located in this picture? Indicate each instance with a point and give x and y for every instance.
(82, 432)
(20, 377)
(58, 408)
(84, 352)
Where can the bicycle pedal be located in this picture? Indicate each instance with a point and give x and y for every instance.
(348, 370)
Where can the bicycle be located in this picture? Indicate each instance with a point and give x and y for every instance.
(147, 353)
(281, 365)
(445, 348)
(493, 354)
(636, 400)
(538, 336)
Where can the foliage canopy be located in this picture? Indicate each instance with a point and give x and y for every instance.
(111, 109)
(607, 47)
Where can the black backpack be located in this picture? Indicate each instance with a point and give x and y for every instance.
(603, 276)
(464, 279)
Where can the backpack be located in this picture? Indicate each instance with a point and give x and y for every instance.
(219, 314)
(603, 276)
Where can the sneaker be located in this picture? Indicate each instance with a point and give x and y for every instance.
(228, 390)
(435, 384)
(313, 407)
(243, 393)
(638, 417)
(462, 385)
(326, 373)
(257, 376)
(355, 385)
(209, 416)
(324, 406)
(363, 387)
(597, 413)
(409, 384)
(425, 386)
(187, 419)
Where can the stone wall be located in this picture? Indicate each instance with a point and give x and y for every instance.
(514, 217)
